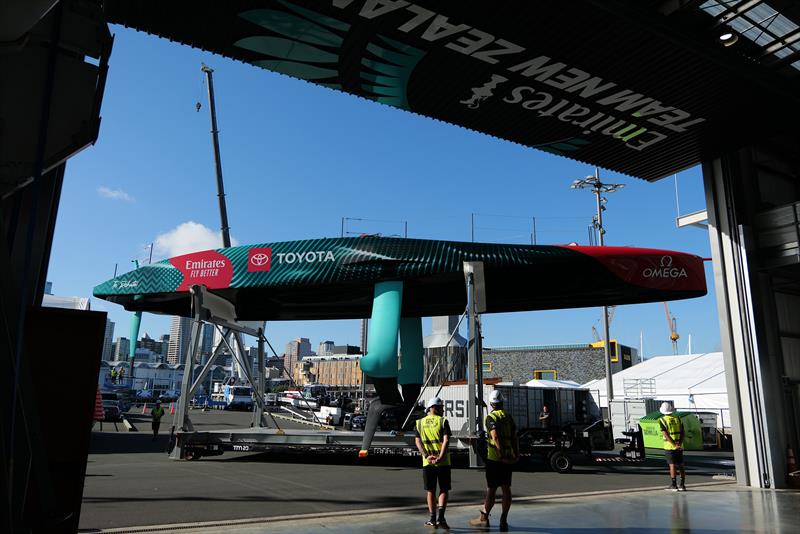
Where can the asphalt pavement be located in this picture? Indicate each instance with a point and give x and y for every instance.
(131, 481)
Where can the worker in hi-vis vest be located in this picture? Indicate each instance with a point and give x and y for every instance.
(502, 453)
(672, 431)
(157, 413)
(433, 439)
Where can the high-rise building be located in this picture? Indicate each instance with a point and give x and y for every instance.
(296, 350)
(325, 348)
(207, 341)
(147, 342)
(107, 340)
(179, 332)
(164, 346)
(48, 288)
(122, 349)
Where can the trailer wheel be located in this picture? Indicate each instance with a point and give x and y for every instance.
(560, 462)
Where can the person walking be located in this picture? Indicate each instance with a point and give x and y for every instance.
(113, 375)
(502, 453)
(121, 375)
(433, 439)
(157, 413)
(673, 434)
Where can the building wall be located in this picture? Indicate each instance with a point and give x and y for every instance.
(577, 363)
(338, 372)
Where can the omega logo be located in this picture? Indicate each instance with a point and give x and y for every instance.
(666, 270)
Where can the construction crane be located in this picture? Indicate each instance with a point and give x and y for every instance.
(672, 325)
(595, 335)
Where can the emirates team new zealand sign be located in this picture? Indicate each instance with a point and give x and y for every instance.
(335, 278)
(563, 77)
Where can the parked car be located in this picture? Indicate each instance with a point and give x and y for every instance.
(392, 418)
(111, 411)
(124, 405)
(357, 422)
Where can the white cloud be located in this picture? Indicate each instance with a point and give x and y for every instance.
(115, 194)
(185, 238)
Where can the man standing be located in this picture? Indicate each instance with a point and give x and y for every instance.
(544, 417)
(672, 431)
(433, 438)
(157, 414)
(503, 452)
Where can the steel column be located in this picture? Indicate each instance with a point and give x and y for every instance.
(472, 367)
(737, 330)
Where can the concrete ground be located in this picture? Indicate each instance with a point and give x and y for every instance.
(719, 508)
(131, 482)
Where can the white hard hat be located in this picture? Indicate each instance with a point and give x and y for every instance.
(434, 401)
(666, 408)
(496, 397)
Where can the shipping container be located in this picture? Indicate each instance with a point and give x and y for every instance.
(568, 406)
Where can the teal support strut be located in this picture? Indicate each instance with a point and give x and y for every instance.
(381, 361)
(411, 351)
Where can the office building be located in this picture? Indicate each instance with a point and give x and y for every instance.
(122, 349)
(179, 333)
(325, 348)
(107, 341)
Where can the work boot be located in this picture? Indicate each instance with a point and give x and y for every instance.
(430, 524)
(682, 486)
(480, 521)
(442, 524)
(503, 525)
(673, 487)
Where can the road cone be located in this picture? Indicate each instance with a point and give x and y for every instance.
(144, 409)
(172, 408)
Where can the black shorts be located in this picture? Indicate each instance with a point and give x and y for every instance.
(431, 474)
(497, 474)
(674, 457)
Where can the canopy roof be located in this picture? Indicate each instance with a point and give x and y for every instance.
(334, 278)
(642, 87)
(674, 378)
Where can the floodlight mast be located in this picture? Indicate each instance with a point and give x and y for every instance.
(598, 188)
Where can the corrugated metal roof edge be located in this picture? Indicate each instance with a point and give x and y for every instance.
(646, 178)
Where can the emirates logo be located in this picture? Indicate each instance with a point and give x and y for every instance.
(259, 259)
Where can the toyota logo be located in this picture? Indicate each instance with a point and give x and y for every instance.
(259, 259)
(666, 261)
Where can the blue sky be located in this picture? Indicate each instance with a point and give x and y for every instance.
(297, 158)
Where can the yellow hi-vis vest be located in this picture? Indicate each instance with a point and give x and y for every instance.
(504, 426)
(672, 424)
(431, 432)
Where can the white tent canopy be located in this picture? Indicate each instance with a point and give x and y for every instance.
(563, 384)
(694, 382)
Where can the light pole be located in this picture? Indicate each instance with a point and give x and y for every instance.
(599, 188)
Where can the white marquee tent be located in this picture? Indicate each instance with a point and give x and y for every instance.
(694, 382)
